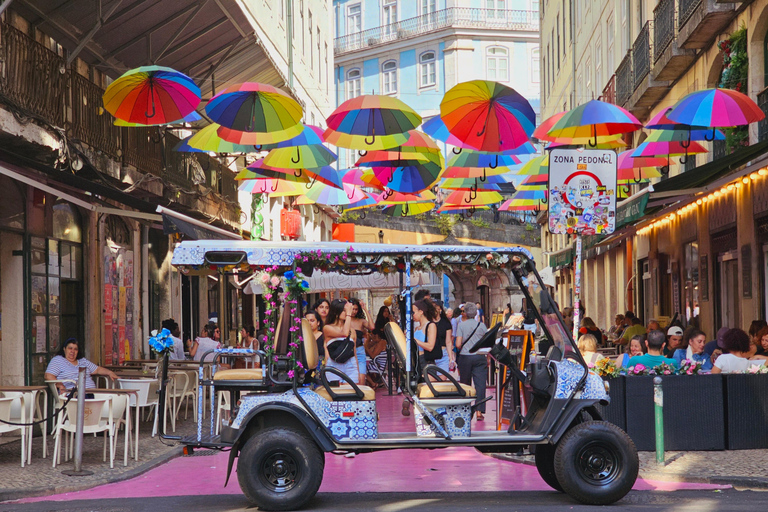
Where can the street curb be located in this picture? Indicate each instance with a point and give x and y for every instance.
(733, 481)
(6, 496)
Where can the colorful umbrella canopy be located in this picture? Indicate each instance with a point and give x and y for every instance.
(537, 180)
(408, 209)
(661, 122)
(533, 194)
(192, 117)
(411, 178)
(519, 205)
(436, 128)
(468, 197)
(538, 165)
(607, 142)
(684, 135)
(273, 187)
(490, 183)
(253, 174)
(487, 115)
(603, 141)
(716, 108)
(254, 108)
(300, 157)
(207, 139)
(593, 119)
(393, 197)
(637, 170)
(371, 122)
(460, 209)
(392, 158)
(471, 158)
(259, 140)
(367, 202)
(326, 174)
(151, 95)
(654, 147)
(331, 196)
(183, 146)
(474, 172)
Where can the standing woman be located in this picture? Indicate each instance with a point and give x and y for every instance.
(444, 338)
(361, 323)
(382, 319)
(473, 368)
(316, 324)
(338, 328)
(424, 312)
(322, 307)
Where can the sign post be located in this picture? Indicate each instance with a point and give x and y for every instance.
(582, 201)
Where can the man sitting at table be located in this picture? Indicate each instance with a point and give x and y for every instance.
(655, 343)
(631, 331)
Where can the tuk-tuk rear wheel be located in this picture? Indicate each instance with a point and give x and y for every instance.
(280, 469)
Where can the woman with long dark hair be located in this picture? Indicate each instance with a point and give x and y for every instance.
(362, 324)
(337, 328)
(322, 307)
(316, 324)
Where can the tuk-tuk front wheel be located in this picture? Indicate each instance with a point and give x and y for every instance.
(545, 464)
(280, 469)
(596, 463)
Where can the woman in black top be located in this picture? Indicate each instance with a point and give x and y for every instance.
(426, 336)
(444, 338)
(360, 323)
(313, 317)
(382, 318)
(588, 327)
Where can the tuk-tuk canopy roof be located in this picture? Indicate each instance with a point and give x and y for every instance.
(192, 253)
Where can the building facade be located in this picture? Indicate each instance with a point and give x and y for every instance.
(696, 251)
(417, 50)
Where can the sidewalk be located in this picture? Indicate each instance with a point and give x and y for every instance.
(736, 468)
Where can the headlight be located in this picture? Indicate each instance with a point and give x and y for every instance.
(607, 386)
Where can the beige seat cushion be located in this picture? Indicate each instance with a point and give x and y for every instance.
(239, 374)
(423, 390)
(368, 392)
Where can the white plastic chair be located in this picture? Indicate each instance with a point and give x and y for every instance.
(31, 412)
(190, 394)
(6, 405)
(121, 415)
(146, 397)
(93, 422)
(223, 405)
(174, 393)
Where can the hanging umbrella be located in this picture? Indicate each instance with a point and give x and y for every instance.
(253, 174)
(411, 178)
(603, 141)
(393, 197)
(366, 202)
(538, 165)
(474, 172)
(478, 197)
(207, 139)
(653, 146)
(260, 140)
(436, 128)
(183, 146)
(519, 205)
(254, 108)
(331, 196)
(471, 158)
(326, 174)
(408, 209)
(537, 180)
(388, 157)
(535, 194)
(371, 122)
(460, 209)
(661, 122)
(637, 170)
(487, 115)
(151, 95)
(355, 176)
(273, 187)
(716, 108)
(192, 117)
(300, 157)
(490, 183)
(593, 119)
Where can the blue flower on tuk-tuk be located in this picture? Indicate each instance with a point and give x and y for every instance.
(289, 275)
(161, 342)
(305, 285)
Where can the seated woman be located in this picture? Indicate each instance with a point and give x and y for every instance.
(425, 336)
(588, 347)
(205, 343)
(588, 327)
(634, 348)
(693, 349)
(737, 345)
(316, 324)
(338, 329)
(65, 365)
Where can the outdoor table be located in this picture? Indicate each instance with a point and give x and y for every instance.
(33, 391)
(127, 414)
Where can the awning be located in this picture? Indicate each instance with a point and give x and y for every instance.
(193, 229)
(331, 281)
(561, 258)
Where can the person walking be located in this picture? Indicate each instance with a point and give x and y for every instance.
(473, 368)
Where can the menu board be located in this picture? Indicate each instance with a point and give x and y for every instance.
(519, 344)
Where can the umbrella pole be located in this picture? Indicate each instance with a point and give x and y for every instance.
(577, 289)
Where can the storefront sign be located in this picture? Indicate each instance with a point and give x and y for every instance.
(631, 211)
(582, 191)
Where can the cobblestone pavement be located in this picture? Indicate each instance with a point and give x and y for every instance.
(740, 468)
(38, 478)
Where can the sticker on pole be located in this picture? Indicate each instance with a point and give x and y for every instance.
(582, 191)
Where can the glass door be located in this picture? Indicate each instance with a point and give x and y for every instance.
(728, 292)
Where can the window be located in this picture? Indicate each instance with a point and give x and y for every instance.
(389, 16)
(428, 69)
(282, 9)
(598, 63)
(535, 66)
(624, 33)
(565, 31)
(428, 7)
(588, 85)
(389, 77)
(319, 58)
(535, 5)
(353, 83)
(354, 19)
(327, 70)
(311, 45)
(495, 8)
(557, 27)
(609, 37)
(691, 279)
(497, 64)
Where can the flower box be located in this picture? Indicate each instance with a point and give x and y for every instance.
(746, 411)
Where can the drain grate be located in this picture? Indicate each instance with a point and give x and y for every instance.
(202, 453)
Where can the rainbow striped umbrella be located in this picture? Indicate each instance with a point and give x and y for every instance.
(535, 166)
(300, 157)
(151, 95)
(392, 197)
(716, 108)
(367, 202)
(207, 139)
(474, 172)
(519, 205)
(535, 180)
(371, 122)
(183, 146)
(332, 196)
(436, 128)
(469, 197)
(655, 146)
(491, 183)
(254, 108)
(592, 120)
(253, 174)
(391, 158)
(326, 174)
(273, 187)
(192, 117)
(408, 209)
(637, 170)
(487, 115)
(260, 140)
(471, 158)
(461, 209)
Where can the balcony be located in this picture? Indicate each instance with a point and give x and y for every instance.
(609, 91)
(699, 21)
(624, 84)
(669, 60)
(452, 17)
(646, 91)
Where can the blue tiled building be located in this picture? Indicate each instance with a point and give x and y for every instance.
(417, 49)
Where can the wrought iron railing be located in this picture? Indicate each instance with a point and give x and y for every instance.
(663, 27)
(762, 126)
(641, 55)
(609, 91)
(33, 77)
(719, 149)
(624, 83)
(685, 8)
(458, 17)
(90, 122)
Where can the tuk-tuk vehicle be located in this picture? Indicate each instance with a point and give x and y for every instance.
(287, 413)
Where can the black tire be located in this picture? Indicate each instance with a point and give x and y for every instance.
(596, 463)
(545, 463)
(280, 469)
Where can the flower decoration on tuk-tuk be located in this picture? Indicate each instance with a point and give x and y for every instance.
(606, 368)
(308, 261)
(161, 342)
